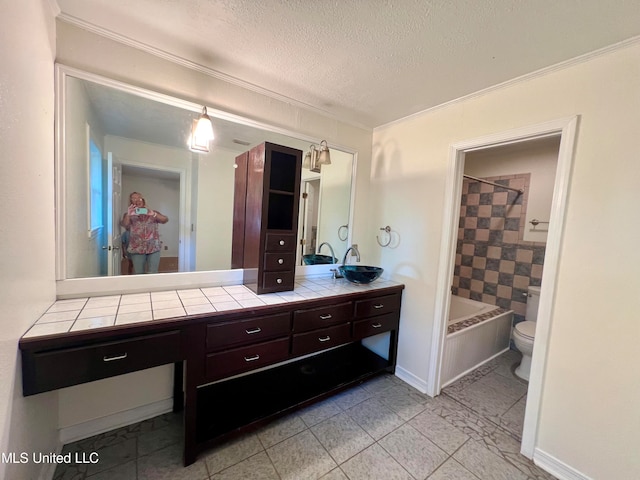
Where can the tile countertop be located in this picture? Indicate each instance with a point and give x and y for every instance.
(87, 313)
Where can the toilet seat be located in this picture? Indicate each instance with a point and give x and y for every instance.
(526, 329)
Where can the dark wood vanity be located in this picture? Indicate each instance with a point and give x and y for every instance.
(235, 370)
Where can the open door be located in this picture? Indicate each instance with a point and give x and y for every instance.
(114, 195)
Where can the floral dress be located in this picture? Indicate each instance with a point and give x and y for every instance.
(143, 235)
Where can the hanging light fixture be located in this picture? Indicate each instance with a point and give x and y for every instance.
(311, 159)
(201, 133)
(323, 156)
(317, 156)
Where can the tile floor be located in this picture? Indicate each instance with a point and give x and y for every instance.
(382, 429)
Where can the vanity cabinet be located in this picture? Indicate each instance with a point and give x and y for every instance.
(323, 355)
(235, 370)
(266, 200)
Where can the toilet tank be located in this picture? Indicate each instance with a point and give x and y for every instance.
(533, 299)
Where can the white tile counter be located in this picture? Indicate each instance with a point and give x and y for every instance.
(82, 314)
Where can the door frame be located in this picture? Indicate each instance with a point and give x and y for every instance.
(114, 241)
(566, 129)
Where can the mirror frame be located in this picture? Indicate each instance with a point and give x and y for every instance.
(75, 287)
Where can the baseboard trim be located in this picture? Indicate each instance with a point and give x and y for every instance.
(411, 379)
(557, 468)
(117, 420)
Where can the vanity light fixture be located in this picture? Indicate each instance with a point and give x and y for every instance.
(324, 158)
(317, 156)
(201, 133)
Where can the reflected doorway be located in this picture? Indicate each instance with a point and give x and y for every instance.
(161, 190)
(309, 213)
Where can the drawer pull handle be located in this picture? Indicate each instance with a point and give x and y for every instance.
(380, 305)
(111, 359)
(281, 242)
(376, 325)
(324, 339)
(252, 359)
(325, 317)
(279, 280)
(280, 261)
(255, 330)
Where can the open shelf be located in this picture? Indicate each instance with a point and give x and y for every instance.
(240, 402)
(280, 215)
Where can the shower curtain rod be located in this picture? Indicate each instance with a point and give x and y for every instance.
(520, 191)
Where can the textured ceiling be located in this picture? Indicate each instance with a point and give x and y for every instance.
(367, 62)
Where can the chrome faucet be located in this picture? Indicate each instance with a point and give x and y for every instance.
(333, 254)
(355, 250)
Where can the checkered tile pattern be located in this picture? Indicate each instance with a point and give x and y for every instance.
(494, 264)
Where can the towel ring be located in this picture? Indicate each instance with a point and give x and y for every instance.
(387, 229)
(346, 228)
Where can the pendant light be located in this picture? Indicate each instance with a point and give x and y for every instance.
(201, 133)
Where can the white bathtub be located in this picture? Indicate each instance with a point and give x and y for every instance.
(478, 332)
(463, 308)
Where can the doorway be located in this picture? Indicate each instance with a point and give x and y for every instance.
(162, 190)
(565, 129)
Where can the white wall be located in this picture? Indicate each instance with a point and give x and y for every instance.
(82, 49)
(85, 251)
(27, 269)
(214, 224)
(591, 389)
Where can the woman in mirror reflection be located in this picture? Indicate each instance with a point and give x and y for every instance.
(144, 245)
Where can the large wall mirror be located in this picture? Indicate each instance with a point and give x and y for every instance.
(114, 139)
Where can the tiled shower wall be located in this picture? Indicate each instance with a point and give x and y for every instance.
(493, 263)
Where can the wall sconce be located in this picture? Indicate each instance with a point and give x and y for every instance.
(201, 133)
(317, 156)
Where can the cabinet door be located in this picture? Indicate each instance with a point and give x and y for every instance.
(239, 206)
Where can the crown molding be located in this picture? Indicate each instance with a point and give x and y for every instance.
(523, 78)
(103, 32)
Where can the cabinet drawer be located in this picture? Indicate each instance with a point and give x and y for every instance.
(238, 360)
(377, 306)
(280, 242)
(223, 335)
(373, 326)
(279, 261)
(321, 339)
(70, 366)
(278, 281)
(310, 319)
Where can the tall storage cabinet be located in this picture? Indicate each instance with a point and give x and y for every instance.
(265, 225)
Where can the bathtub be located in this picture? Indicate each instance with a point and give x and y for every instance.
(476, 333)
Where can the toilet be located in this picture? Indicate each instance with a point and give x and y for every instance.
(524, 333)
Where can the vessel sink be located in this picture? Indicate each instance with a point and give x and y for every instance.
(360, 273)
(317, 259)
